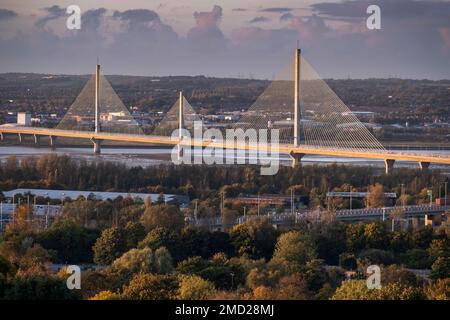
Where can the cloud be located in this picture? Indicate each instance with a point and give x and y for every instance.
(259, 19)
(310, 28)
(277, 10)
(206, 32)
(53, 12)
(141, 42)
(286, 16)
(6, 14)
(436, 11)
(137, 15)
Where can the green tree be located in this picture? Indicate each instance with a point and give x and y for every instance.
(163, 237)
(440, 268)
(134, 233)
(72, 243)
(144, 261)
(256, 238)
(416, 259)
(357, 290)
(355, 238)
(439, 248)
(348, 261)
(37, 287)
(192, 265)
(109, 246)
(294, 249)
(376, 235)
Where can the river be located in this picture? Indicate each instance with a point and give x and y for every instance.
(155, 156)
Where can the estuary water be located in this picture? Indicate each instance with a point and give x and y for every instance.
(154, 156)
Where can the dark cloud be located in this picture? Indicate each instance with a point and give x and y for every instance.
(259, 19)
(7, 14)
(277, 10)
(286, 16)
(91, 19)
(139, 15)
(53, 12)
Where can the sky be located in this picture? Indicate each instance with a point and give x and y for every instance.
(227, 38)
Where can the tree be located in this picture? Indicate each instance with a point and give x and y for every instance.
(5, 266)
(422, 237)
(355, 238)
(438, 290)
(105, 295)
(357, 290)
(294, 249)
(163, 237)
(440, 268)
(152, 287)
(109, 246)
(439, 248)
(329, 239)
(195, 288)
(377, 256)
(416, 259)
(348, 261)
(134, 233)
(192, 266)
(256, 238)
(163, 215)
(375, 198)
(72, 243)
(144, 261)
(37, 287)
(376, 235)
(400, 275)
(352, 290)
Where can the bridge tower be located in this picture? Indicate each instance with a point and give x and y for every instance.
(297, 111)
(180, 125)
(94, 140)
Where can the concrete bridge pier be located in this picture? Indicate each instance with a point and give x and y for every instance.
(296, 159)
(389, 165)
(20, 137)
(36, 139)
(52, 142)
(424, 166)
(97, 147)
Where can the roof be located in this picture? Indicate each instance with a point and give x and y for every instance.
(391, 195)
(74, 194)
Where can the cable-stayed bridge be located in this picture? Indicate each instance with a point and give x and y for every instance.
(308, 116)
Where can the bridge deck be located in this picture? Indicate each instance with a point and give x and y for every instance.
(283, 148)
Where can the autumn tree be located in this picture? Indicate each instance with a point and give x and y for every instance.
(195, 288)
(163, 215)
(375, 197)
(152, 287)
(145, 261)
